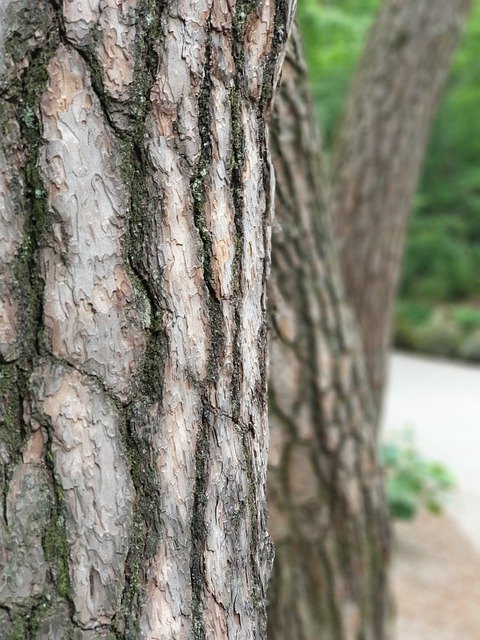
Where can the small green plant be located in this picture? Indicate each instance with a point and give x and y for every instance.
(467, 317)
(413, 483)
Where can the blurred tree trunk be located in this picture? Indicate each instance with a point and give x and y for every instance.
(379, 152)
(327, 508)
(326, 501)
(134, 233)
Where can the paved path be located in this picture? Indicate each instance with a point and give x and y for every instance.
(435, 580)
(440, 401)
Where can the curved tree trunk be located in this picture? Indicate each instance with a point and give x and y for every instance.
(326, 502)
(135, 215)
(379, 152)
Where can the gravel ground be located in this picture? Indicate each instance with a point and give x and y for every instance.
(436, 581)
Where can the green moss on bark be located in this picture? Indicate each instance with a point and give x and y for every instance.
(55, 545)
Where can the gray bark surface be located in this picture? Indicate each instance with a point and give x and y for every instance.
(327, 508)
(136, 199)
(379, 153)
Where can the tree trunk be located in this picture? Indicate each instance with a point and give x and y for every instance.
(379, 152)
(134, 232)
(326, 502)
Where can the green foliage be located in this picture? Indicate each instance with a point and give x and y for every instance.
(468, 318)
(414, 313)
(413, 483)
(443, 248)
(442, 257)
(409, 317)
(333, 34)
(439, 264)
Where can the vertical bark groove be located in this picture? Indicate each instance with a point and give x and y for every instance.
(138, 397)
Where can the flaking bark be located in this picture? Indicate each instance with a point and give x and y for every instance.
(136, 212)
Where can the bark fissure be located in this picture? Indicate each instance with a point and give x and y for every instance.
(26, 608)
(327, 509)
(147, 263)
(198, 185)
(147, 517)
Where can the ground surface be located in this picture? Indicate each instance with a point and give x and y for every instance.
(436, 575)
(441, 402)
(436, 581)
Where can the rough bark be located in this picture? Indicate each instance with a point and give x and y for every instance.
(378, 156)
(135, 220)
(326, 502)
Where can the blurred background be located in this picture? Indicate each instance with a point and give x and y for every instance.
(438, 311)
(431, 425)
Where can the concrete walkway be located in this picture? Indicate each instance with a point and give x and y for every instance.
(440, 401)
